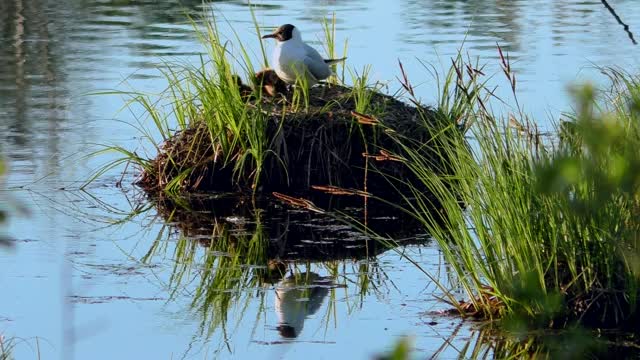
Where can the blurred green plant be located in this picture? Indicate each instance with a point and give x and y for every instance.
(401, 350)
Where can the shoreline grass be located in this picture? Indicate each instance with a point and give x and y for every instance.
(547, 236)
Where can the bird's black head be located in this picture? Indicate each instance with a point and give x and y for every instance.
(287, 331)
(283, 33)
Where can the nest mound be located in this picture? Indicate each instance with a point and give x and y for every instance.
(323, 143)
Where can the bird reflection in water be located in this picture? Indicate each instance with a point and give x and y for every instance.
(297, 297)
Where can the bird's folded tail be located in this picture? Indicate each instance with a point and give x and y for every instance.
(334, 61)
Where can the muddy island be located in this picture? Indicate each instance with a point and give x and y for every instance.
(328, 136)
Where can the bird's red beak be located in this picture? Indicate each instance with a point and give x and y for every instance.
(269, 36)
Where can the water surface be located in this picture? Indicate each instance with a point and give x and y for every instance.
(89, 288)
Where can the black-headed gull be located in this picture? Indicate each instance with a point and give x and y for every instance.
(292, 57)
(298, 297)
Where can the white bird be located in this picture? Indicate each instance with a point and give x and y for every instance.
(298, 297)
(292, 57)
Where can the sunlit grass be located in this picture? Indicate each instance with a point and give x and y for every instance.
(547, 234)
(208, 92)
(208, 120)
(363, 91)
(329, 31)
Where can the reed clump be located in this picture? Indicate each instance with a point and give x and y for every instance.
(213, 130)
(321, 143)
(548, 236)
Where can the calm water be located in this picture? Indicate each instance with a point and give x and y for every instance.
(90, 284)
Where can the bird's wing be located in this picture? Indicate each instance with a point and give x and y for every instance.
(315, 63)
(312, 53)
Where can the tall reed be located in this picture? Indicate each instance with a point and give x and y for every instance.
(243, 130)
(207, 92)
(547, 233)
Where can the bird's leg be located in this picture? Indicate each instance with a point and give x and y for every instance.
(324, 89)
(289, 92)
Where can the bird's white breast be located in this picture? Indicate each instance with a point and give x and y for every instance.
(288, 60)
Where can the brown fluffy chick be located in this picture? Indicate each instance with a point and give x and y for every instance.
(271, 84)
(245, 91)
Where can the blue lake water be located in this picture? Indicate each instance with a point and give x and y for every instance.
(82, 281)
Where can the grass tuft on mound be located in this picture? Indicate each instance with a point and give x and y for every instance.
(232, 137)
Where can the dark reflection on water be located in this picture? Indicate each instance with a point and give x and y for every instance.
(484, 20)
(227, 252)
(517, 25)
(297, 297)
(54, 53)
(294, 234)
